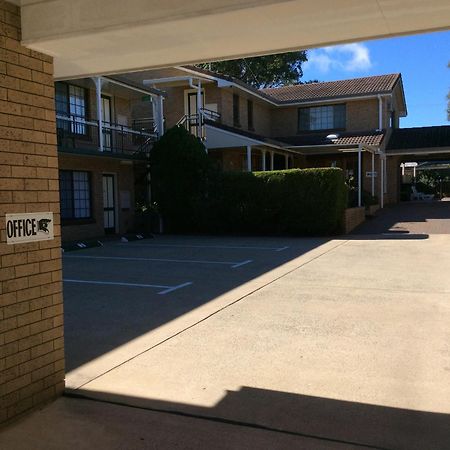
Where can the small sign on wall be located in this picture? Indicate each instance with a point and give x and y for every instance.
(29, 227)
(371, 174)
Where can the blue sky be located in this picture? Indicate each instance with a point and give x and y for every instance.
(422, 60)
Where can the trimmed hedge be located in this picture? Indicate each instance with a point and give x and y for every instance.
(194, 197)
(296, 201)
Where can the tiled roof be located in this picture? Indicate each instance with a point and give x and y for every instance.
(426, 137)
(343, 138)
(333, 89)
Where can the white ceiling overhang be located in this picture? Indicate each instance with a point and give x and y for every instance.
(89, 37)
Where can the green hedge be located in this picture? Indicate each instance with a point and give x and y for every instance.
(296, 201)
(192, 196)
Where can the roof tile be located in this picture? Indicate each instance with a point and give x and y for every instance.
(333, 89)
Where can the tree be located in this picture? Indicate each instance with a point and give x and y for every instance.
(179, 167)
(263, 71)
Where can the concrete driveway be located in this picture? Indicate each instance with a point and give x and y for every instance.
(421, 217)
(321, 345)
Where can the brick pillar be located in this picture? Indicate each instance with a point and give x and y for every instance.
(31, 310)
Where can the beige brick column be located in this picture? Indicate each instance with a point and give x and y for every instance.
(31, 310)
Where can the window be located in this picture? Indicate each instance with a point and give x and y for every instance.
(321, 118)
(236, 115)
(250, 115)
(70, 102)
(75, 193)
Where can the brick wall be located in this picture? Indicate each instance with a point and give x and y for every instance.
(31, 310)
(96, 166)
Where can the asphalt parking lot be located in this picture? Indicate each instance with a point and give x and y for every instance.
(116, 293)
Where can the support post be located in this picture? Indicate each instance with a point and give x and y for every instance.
(381, 182)
(161, 115)
(373, 174)
(199, 110)
(385, 174)
(249, 158)
(263, 160)
(272, 157)
(98, 91)
(286, 161)
(359, 177)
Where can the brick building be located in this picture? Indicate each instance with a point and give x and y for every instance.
(344, 123)
(31, 310)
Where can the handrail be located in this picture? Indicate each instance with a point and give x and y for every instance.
(105, 125)
(210, 114)
(77, 132)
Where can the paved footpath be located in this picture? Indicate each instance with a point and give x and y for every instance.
(348, 349)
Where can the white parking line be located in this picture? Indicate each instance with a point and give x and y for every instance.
(165, 289)
(243, 263)
(233, 264)
(237, 247)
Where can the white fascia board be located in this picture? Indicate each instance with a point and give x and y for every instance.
(222, 83)
(170, 80)
(331, 100)
(248, 141)
(419, 151)
(132, 88)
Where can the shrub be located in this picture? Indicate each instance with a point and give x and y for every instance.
(193, 197)
(308, 201)
(179, 167)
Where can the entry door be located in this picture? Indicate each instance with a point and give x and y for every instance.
(106, 105)
(192, 111)
(109, 210)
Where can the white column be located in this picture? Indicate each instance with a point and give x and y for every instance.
(272, 157)
(249, 158)
(286, 161)
(161, 115)
(98, 91)
(263, 160)
(381, 182)
(373, 174)
(385, 174)
(359, 177)
(199, 110)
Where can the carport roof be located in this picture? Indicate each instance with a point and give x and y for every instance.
(419, 138)
(374, 138)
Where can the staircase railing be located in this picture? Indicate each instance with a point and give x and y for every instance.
(195, 123)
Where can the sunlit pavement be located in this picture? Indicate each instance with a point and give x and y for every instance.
(324, 344)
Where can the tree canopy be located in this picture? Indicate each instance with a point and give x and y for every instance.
(263, 71)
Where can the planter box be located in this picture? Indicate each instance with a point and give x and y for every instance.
(353, 217)
(372, 209)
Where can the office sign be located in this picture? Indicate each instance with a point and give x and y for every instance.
(30, 227)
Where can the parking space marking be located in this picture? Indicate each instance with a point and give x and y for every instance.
(165, 289)
(233, 264)
(235, 247)
(243, 263)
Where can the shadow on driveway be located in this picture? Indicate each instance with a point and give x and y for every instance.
(409, 217)
(320, 423)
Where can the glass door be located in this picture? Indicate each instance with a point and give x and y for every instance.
(109, 210)
(107, 134)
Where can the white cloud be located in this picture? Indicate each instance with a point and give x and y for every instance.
(346, 57)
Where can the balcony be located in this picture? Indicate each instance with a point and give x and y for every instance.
(79, 135)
